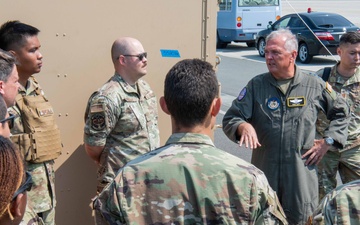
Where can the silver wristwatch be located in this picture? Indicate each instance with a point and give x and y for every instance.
(329, 141)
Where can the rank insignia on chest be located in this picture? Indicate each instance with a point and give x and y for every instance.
(273, 103)
(296, 101)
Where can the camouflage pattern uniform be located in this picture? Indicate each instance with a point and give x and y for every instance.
(347, 159)
(124, 119)
(41, 197)
(188, 181)
(31, 218)
(341, 206)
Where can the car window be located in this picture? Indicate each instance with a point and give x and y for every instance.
(331, 21)
(296, 22)
(283, 23)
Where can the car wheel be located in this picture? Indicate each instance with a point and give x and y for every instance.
(219, 43)
(250, 43)
(303, 55)
(261, 47)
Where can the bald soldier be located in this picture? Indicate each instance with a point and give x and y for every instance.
(121, 117)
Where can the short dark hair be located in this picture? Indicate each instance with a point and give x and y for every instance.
(350, 37)
(14, 33)
(7, 64)
(190, 87)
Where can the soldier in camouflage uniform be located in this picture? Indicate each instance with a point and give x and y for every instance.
(189, 181)
(340, 206)
(345, 79)
(121, 119)
(22, 41)
(31, 218)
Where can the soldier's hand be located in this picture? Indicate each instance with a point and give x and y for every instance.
(248, 136)
(316, 153)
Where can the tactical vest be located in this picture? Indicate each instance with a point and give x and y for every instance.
(41, 140)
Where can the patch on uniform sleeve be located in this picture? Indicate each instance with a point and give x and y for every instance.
(329, 89)
(97, 117)
(242, 94)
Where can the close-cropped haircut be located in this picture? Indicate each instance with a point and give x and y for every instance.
(11, 173)
(3, 108)
(190, 87)
(7, 64)
(13, 34)
(350, 38)
(291, 43)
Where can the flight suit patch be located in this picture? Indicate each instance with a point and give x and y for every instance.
(242, 94)
(273, 103)
(296, 101)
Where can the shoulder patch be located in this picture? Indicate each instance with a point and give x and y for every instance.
(329, 89)
(96, 108)
(97, 117)
(97, 121)
(242, 94)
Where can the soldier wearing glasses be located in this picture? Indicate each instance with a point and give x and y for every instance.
(121, 117)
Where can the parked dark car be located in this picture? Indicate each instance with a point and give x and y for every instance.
(320, 35)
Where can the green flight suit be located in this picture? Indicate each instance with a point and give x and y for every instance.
(285, 126)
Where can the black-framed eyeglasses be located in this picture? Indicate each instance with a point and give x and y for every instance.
(141, 56)
(10, 119)
(26, 186)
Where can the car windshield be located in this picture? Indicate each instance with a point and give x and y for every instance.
(245, 3)
(331, 21)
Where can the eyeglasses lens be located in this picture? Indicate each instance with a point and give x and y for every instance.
(142, 55)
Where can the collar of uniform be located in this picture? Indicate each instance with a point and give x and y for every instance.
(190, 138)
(125, 86)
(142, 87)
(336, 77)
(299, 75)
(31, 86)
(296, 79)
